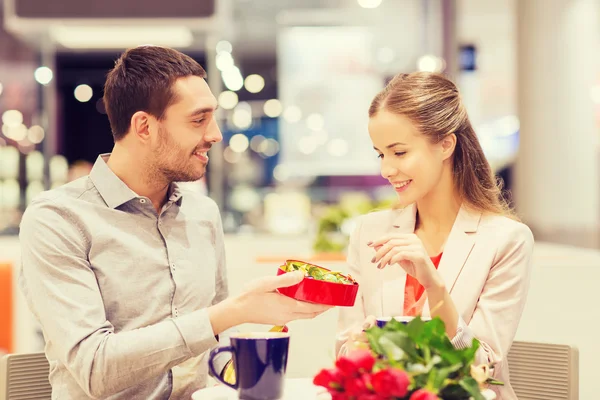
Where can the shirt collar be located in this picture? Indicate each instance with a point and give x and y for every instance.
(114, 191)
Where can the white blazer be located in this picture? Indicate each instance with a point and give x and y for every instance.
(486, 267)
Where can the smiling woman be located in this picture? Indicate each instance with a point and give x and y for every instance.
(452, 249)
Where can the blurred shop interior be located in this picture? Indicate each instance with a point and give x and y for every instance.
(294, 79)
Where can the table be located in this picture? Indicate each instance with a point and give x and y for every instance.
(295, 389)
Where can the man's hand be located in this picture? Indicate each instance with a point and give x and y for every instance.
(262, 304)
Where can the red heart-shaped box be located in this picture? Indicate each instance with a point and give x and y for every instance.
(321, 292)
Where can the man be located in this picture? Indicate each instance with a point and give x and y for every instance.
(123, 269)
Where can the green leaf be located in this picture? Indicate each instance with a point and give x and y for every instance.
(392, 351)
(403, 341)
(373, 335)
(472, 387)
(416, 330)
(442, 374)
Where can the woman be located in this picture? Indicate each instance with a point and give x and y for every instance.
(453, 250)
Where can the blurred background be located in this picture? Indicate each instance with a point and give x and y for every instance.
(294, 79)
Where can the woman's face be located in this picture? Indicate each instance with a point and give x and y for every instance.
(409, 161)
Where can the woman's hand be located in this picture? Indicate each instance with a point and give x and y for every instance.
(407, 251)
(358, 338)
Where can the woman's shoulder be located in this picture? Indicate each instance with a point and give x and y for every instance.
(506, 229)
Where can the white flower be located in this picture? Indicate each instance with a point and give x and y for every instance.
(489, 394)
(480, 373)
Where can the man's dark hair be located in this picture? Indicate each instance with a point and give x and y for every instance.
(142, 80)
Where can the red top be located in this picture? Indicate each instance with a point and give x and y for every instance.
(413, 292)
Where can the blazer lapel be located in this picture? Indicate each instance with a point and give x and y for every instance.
(457, 249)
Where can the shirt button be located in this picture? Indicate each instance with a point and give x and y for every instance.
(143, 201)
(173, 266)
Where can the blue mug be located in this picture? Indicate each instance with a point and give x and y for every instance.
(382, 321)
(260, 362)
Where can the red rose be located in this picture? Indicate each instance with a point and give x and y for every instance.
(358, 386)
(391, 382)
(329, 378)
(338, 395)
(423, 394)
(358, 361)
(372, 396)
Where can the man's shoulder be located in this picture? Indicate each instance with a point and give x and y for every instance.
(64, 193)
(58, 200)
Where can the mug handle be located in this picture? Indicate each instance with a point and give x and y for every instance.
(217, 375)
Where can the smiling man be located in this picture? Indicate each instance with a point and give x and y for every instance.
(124, 270)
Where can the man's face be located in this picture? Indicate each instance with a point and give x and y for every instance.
(186, 132)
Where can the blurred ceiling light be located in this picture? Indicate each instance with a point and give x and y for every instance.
(273, 108)
(110, 37)
(25, 146)
(33, 189)
(58, 167)
(224, 61)
(269, 147)
(242, 118)
(369, 3)
(239, 143)
(12, 118)
(231, 156)
(9, 163)
(292, 114)
(281, 173)
(34, 166)
(307, 145)
(16, 133)
(254, 83)
(256, 141)
(10, 195)
(83, 93)
(385, 55)
(228, 99)
(232, 78)
(315, 122)
(43, 75)
(430, 63)
(35, 134)
(338, 147)
(224, 47)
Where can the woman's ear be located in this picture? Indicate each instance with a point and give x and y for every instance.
(448, 145)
